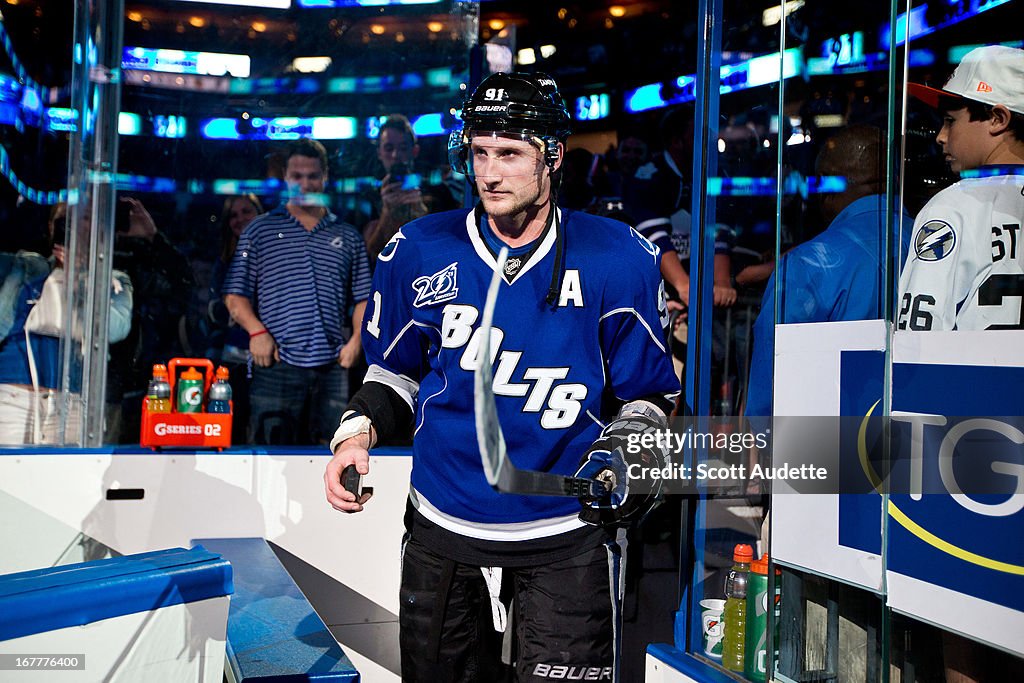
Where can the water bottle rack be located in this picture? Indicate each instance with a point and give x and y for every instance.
(186, 430)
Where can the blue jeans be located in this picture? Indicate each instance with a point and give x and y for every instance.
(296, 406)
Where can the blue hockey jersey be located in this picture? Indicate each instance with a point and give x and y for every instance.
(600, 342)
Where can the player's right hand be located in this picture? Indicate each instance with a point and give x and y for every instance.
(263, 349)
(348, 452)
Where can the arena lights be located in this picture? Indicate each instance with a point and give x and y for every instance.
(428, 125)
(60, 119)
(915, 23)
(592, 107)
(9, 113)
(185, 62)
(267, 4)
(10, 89)
(169, 126)
(773, 15)
(311, 65)
(363, 3)
(424, 126)
(280, 128)
(129, 124)
(749, 73)
(767, 186)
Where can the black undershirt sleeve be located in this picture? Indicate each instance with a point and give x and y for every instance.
(388, 412)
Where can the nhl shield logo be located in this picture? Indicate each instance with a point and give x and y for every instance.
(512, 266)
(935, 241)
(436, 288)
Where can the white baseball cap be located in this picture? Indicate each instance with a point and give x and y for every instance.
(993, 74)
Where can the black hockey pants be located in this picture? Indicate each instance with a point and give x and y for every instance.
(565, 615)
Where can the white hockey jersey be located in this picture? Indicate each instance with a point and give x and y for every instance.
(965, 269)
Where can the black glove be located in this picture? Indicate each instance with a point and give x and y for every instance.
(608, 460)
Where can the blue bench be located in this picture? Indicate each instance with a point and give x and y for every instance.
(273, 633)
(53, 598)
(159, 615)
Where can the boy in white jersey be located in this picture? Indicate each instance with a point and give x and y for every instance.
(965, 269)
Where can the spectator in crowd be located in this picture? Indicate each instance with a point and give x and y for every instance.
(956, 277)
(576, 190)
(404, 194)
(227, 341)
(660, 201)
(965, 268)
(164, 285)
(596, 319)
(620, 165)
(840, 274)
(631, 154)
(298, 285)
(31, 333)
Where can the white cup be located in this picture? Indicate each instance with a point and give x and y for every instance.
(712, 627)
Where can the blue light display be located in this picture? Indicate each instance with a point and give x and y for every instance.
(362, 3)
(428, 125)
(280, 128)
(917, 26)
(10, 89)
(749, 73)
(169, 126)
(592, 107)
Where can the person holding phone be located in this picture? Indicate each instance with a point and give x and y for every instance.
(164, 286)
(401, 199)
(405, 192)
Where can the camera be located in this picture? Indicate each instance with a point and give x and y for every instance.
(400, 174)
(60, 229)
(122, 217)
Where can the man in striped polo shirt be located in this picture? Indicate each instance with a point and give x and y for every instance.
(297, 273)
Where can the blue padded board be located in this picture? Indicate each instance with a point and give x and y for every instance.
(273, 633)
(71, 595)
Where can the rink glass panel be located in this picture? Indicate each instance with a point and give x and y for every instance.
(829, 630)
(198, 129)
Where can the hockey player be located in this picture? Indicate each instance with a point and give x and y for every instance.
(965, 269)
(577, 340)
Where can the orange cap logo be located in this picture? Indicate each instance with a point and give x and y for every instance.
(984, 87)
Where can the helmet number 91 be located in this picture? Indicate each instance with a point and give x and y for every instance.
(494, 94)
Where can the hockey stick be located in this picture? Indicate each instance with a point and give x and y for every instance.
(501, 473)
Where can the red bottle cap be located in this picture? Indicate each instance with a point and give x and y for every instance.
(742, 553)
(223, 373)
(194, 374)
(760, 566)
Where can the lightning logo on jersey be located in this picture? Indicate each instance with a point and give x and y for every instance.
(935, 241)
(388, 252)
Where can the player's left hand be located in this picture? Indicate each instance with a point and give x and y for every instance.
(608, 460)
